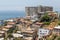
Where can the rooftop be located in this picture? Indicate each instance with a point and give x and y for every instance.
(57, 27)
(5, 29)
(1, 31)
(17, 35)
(11, 23)
(8, 26)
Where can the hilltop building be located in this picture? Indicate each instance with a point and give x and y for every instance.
(30, 11)
(35, 12)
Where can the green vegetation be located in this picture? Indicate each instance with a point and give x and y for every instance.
(59, 23)
(46, 23)
(18, 39)
(49, 38)
(53, 37)
(58, 38)
(11, 30)
(46, 18)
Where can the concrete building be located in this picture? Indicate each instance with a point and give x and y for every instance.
(44, 8)
(33, 12)
(30, 11)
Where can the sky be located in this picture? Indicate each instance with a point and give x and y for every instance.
(19, 5)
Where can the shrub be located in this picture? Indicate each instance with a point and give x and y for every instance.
(46, 23)
(46, 18)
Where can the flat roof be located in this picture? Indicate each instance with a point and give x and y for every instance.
(8, 26)
(5, 29)
(57, 27)
(17, 35)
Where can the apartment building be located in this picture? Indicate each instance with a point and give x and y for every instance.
(30, 11)
(34, 12)
(44, 8)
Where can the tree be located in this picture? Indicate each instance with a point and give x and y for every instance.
(59, 23)
(46, 18)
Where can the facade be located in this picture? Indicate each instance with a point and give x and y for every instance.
(30, 11)
(44, 9)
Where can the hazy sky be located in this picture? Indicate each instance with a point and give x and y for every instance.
(20, 4)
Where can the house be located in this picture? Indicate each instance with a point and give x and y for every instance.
(10, 23)
(53, 14)
(5, 29)
(17, 35)
(37, 25)
(10, 20)
(2, 33)
(8, 26)
(42, 32)
(56, 30)
(28, 33)
(28, 38)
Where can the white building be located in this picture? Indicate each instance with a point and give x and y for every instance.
(43, 32)
(10, 20)
(17, 35)
(56, 30)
